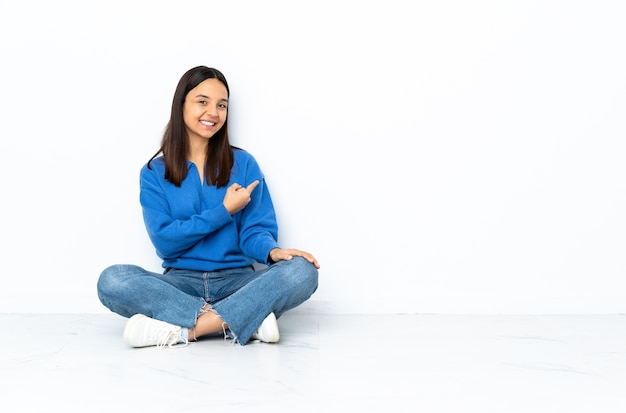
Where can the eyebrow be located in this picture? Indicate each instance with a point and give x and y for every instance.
(206, 97)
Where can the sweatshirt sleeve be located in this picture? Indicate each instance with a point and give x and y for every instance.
(258, 232)
(170, 236)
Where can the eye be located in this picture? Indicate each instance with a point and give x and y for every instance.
(222, 106)
(202, 102)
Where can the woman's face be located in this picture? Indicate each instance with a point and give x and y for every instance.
(205, 109)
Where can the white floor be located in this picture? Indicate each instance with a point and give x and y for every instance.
(323, 363)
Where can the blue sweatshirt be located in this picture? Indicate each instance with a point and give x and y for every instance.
(191, 229)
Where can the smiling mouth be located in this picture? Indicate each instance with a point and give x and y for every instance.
(205, 123)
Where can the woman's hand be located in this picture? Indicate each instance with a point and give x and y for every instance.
(278, 254)
(237, 197)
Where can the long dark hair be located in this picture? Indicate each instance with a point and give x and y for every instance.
(175, 142)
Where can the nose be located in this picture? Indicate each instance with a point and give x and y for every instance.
(212, 110)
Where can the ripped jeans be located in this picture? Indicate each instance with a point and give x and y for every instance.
(242, 297)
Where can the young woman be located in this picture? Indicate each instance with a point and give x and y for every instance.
(209, 214)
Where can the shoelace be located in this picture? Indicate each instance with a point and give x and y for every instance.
(169, 342)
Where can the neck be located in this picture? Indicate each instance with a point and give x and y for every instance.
(198, 149)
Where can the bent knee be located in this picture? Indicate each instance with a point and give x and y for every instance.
(306, 271)
(114, 275)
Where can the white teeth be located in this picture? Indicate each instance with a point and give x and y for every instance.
(207, 123)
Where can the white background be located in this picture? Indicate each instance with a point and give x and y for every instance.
(436, 156)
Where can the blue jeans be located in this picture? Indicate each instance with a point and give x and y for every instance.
(242, 297)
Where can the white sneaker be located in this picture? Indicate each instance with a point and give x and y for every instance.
(268, 330)
(143, 331)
